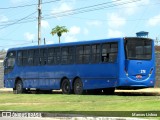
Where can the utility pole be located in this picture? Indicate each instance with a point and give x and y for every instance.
(157, 41)
(39, 21)
(44, 41)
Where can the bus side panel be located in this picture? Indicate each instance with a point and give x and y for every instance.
(98, 76)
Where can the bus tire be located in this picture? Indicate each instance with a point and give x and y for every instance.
(78, 87)
(66, 87)
(19, 87)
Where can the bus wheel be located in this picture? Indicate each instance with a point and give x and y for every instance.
(19, 87)
(66, 88)
(109, 91)
(78, 86)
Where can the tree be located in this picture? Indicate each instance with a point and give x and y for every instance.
(59, 30)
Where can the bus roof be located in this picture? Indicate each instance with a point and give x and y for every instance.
(73, 43)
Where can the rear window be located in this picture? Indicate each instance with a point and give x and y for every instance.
(138, 49)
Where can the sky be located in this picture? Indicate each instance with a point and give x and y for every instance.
(85, 20)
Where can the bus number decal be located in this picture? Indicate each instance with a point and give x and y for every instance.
(143, 71)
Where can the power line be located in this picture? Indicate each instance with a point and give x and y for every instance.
(28, 5)
(70, 12)
(19, 44)
(32, 19)
(18, 20)
(84, 10)
(73, 9)
(77, 11)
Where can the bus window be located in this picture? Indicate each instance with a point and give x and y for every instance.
(86, 55)
(19, 58)
(54, 56)
(79, 54)
(105, 52)
(95, 53)
(138, 49)
(36, 57)
(83, 54)
(43, 56)
(30, 57)
(25, 57)
(9, 62)
(71, 55)
(109, 52)
(51, 56)
(113, 52)
(57, 54)
(65, 55)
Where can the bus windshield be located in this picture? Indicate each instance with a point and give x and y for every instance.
(138, 49)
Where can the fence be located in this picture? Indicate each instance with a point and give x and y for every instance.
(1, 74)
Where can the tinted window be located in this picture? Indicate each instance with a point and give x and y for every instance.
(25, 57)
(9, 62)
(54, 56)
(36, 57)
(71, 55)
(51, 56)
(138, 49)
(43, 56)
(83, 54)
(86, 55)
(79, 54)
(20, 58)
(10, 59)
(109, 52)
(95, 53)
(30, 57)
(65, 53)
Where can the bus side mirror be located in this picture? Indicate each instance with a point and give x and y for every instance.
(4, 62)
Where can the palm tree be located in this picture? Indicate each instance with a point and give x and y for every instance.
(59, 30)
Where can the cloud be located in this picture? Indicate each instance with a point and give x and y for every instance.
(71, 35)
(114, 33)
(3, 18)
(85, 31)
(116, 21)
(45, 24)
(50, 42)
(131, 7)
(29, 36)
(61, 8)
(134, 6)
(74, 30)
(70, 38)
(94, 23)
(154, 21)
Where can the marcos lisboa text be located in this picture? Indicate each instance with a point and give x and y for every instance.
(147, 114)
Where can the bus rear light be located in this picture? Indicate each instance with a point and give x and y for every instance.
(150, 72)
(126, 72)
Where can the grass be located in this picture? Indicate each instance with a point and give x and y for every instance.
(60, 102)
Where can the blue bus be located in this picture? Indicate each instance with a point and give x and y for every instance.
(102, 65)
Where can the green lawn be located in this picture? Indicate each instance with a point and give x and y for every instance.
(60, 102)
